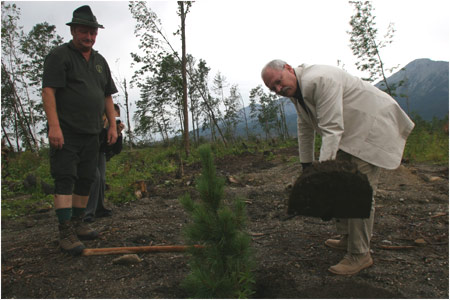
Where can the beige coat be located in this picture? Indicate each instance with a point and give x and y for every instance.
(351, 115)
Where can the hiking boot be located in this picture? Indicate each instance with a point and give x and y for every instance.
(83, 230)
(352, 264)
(337, 244)
(68, 240)
(89, 219)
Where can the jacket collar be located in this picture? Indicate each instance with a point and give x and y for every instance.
(298, 93)
(299, 73)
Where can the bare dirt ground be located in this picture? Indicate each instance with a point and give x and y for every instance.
(292, 260)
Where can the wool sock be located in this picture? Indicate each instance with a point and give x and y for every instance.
(64, 214)
(78, 212)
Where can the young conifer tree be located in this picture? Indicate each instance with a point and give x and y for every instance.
(223, 267)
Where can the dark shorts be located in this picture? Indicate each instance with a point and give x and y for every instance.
(73, 167)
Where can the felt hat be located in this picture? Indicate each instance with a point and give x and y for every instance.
(83, 16)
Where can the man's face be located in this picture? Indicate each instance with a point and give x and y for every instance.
(84, 37)
(282, 82)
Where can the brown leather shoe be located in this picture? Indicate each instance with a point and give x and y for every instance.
(337, 244)
(83, 230)
(68, 240)
(352, 263)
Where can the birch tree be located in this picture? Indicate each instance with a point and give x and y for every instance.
(365, 43)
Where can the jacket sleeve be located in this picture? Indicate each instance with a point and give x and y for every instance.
(306, 136)
(328, 98)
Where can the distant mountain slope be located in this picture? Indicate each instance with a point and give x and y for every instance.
(426, 85)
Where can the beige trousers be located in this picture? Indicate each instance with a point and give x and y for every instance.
(359, 231)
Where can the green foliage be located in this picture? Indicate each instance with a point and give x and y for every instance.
(428, 142)
(18, 199)
(123, 171)
(26, 204)
(365, 43)
(263, 107)
(222, 269)
(22, 62)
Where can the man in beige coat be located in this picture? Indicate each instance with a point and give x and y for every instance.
(357, 122)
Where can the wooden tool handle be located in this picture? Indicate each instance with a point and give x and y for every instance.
(137, 249)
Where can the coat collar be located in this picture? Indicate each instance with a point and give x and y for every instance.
(299, 73)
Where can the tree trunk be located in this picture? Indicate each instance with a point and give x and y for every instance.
(198, 129)
(127, 108)
(183, 74)
(193, 126)
(161, 131)
(16, 132)
(7, 137)
(21, 117)
(245, 117)
(195, 85)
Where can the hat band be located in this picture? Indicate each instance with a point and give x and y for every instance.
(85, 22)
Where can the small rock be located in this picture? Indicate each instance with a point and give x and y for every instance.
(435, 178)
(386, 242)
(127, 259)
(231, 179)
(138, 194)
(420, 242)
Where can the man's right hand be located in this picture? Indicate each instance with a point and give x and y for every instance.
(55, 137)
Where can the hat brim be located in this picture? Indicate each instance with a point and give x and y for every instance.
(89, 24)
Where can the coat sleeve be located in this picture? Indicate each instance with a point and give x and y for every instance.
(306, 136)
(328, 98)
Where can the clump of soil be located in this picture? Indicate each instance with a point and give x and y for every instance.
(410, 242)
(331, 189)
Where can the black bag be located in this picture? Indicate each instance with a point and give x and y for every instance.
(109, 150)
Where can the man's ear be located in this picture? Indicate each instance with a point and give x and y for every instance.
(289, 68)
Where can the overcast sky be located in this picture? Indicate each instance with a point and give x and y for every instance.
(238, 38)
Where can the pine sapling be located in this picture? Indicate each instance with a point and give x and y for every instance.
(223, 267)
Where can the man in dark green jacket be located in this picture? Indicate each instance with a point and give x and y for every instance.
(76, 91)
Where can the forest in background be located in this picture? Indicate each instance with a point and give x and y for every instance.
(175, 88)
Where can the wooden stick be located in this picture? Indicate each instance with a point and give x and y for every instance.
(137, 249)
(396, 247)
